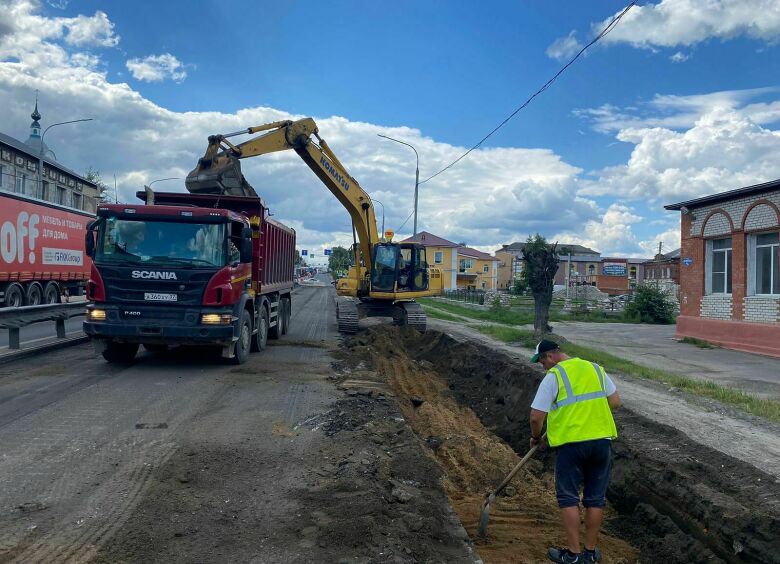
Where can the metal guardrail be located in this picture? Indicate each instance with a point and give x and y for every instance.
(14, 318)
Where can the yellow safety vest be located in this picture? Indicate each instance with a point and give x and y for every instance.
(581, 411)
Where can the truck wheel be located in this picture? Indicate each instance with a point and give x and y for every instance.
(120, 352)
(287, 315)
(51, 293)
(244, 343)
(261, 337)
(34, 294)
(277, 331)
(14, 296)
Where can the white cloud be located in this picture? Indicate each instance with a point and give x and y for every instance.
(611, 234)
(679, 57)
(670, 239)
(682, 112)
(564, 47)
(156, 68)
(675, 23)
(90, 30)
(723, 150)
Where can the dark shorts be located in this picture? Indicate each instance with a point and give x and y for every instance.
(587, 465)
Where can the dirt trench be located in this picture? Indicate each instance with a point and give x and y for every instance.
(671, 499)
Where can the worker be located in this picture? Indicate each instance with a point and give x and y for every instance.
(576, 397)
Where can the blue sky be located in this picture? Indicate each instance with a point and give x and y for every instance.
(640, 121)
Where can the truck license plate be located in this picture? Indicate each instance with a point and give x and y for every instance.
(150, 297)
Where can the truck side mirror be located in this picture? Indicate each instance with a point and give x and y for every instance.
(246, 250)
(89, 243)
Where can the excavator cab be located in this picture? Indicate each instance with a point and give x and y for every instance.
(399, 267)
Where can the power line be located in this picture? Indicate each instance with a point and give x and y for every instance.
(547, 84)
(404, 223)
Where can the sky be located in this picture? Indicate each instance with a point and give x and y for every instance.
(681, 99)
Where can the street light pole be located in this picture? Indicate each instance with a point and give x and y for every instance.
(40, 153)
(150, 192)
(416, 176)
(383, 214)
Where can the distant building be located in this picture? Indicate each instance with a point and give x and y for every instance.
(60, 185)
(476, 270)
(584, 266)
(461, 266)
(729, 265)
(663, 268)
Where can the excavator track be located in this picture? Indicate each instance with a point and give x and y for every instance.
(347, 315)
(411, 314)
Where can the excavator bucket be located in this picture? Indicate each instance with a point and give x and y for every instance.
(220, 175)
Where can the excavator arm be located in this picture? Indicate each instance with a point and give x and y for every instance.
(219, 171)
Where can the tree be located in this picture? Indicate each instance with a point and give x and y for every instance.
(93, 175)
(298, 259)
(650, 305)
(339, 260)
(541, 263)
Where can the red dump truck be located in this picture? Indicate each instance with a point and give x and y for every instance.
(188, 269)
(42, 250)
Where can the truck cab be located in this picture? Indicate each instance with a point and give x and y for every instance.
(166, 275)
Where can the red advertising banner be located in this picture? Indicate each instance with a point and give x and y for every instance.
(38, 242)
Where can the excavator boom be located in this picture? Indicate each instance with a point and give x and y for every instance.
(386, 276)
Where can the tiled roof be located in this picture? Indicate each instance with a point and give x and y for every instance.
(575, 249)
(469, 252)
(429, 240)
(19, 146)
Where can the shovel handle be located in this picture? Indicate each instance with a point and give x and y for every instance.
(519, 465)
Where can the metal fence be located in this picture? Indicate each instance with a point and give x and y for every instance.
(14, 318)
(467, 296)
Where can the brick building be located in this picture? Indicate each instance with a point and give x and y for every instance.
(729, 273)
(663, 268)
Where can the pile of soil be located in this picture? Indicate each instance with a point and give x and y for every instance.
(678, 501)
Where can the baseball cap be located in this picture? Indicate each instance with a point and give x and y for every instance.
(543, 347)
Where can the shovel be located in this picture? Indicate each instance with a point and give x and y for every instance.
(484, 515)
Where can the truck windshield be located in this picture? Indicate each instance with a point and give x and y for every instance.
(162, 242)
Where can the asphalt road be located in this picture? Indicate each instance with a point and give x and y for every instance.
(81, 439)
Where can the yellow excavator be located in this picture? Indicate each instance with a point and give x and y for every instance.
(386, 277)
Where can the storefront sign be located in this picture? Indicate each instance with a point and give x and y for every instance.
(613, 269)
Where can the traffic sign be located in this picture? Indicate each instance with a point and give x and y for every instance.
(328, 252)
(304, 252)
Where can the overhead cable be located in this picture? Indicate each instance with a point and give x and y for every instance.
(610, 26)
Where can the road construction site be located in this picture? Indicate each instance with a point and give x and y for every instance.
(377, 447)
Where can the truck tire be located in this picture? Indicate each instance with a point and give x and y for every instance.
(287, 315)
(244, 342)
(14, 295)
(277, 330)
(260, 339)
(51, 293)
(34, 294)
(120, 352)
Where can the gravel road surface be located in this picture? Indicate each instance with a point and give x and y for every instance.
(181, 458)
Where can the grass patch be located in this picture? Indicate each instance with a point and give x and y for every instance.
(502, 316)
(701, 343)
(437, 314)
(510, 335)
(766, 408)
(514, 317)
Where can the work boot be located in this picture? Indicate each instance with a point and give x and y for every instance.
(564, 556)
(591, 556)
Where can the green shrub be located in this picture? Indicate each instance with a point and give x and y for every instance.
(650, 305)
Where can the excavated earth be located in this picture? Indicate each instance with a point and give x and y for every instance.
(670, 500)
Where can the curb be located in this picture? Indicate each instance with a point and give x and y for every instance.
(45, 348)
